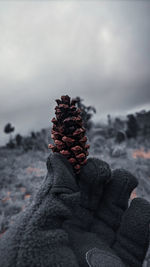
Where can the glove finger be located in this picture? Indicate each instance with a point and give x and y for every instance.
(92, 178)
(60, 177)
(113, 204)
(61, 173)
(132, 239)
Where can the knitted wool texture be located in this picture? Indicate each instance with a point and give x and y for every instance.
(64, 226)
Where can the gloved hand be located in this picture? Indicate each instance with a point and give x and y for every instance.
(37, 238)
(79, 222)
(118, 235)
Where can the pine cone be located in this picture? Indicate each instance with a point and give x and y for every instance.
(68, 133)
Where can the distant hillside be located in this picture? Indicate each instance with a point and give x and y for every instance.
(131, 126)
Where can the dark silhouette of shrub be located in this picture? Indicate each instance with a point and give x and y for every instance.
(8, 128)
(109, 120)
(33, 135)
(143, 119)
(132, 126)
(87, 113)
(120, 137)
(18, 139)
(11, 144)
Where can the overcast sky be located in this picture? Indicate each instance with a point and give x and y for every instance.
(99, 50)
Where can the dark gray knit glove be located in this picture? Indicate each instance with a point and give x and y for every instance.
(117, 235)
(79, 221)
(37, 238)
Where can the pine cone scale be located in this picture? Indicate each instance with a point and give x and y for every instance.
(68, 133)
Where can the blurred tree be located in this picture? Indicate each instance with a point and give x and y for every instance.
(33, 135)
(132, 126)
(18, 139)
(8, 128)
(118, 124)
(109, 120)
(120, 136)
(87, 113)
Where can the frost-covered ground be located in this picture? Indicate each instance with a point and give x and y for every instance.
(21, 173)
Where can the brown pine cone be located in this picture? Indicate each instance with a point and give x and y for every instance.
(68, 133)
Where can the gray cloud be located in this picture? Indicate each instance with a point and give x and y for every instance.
(97, 50)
